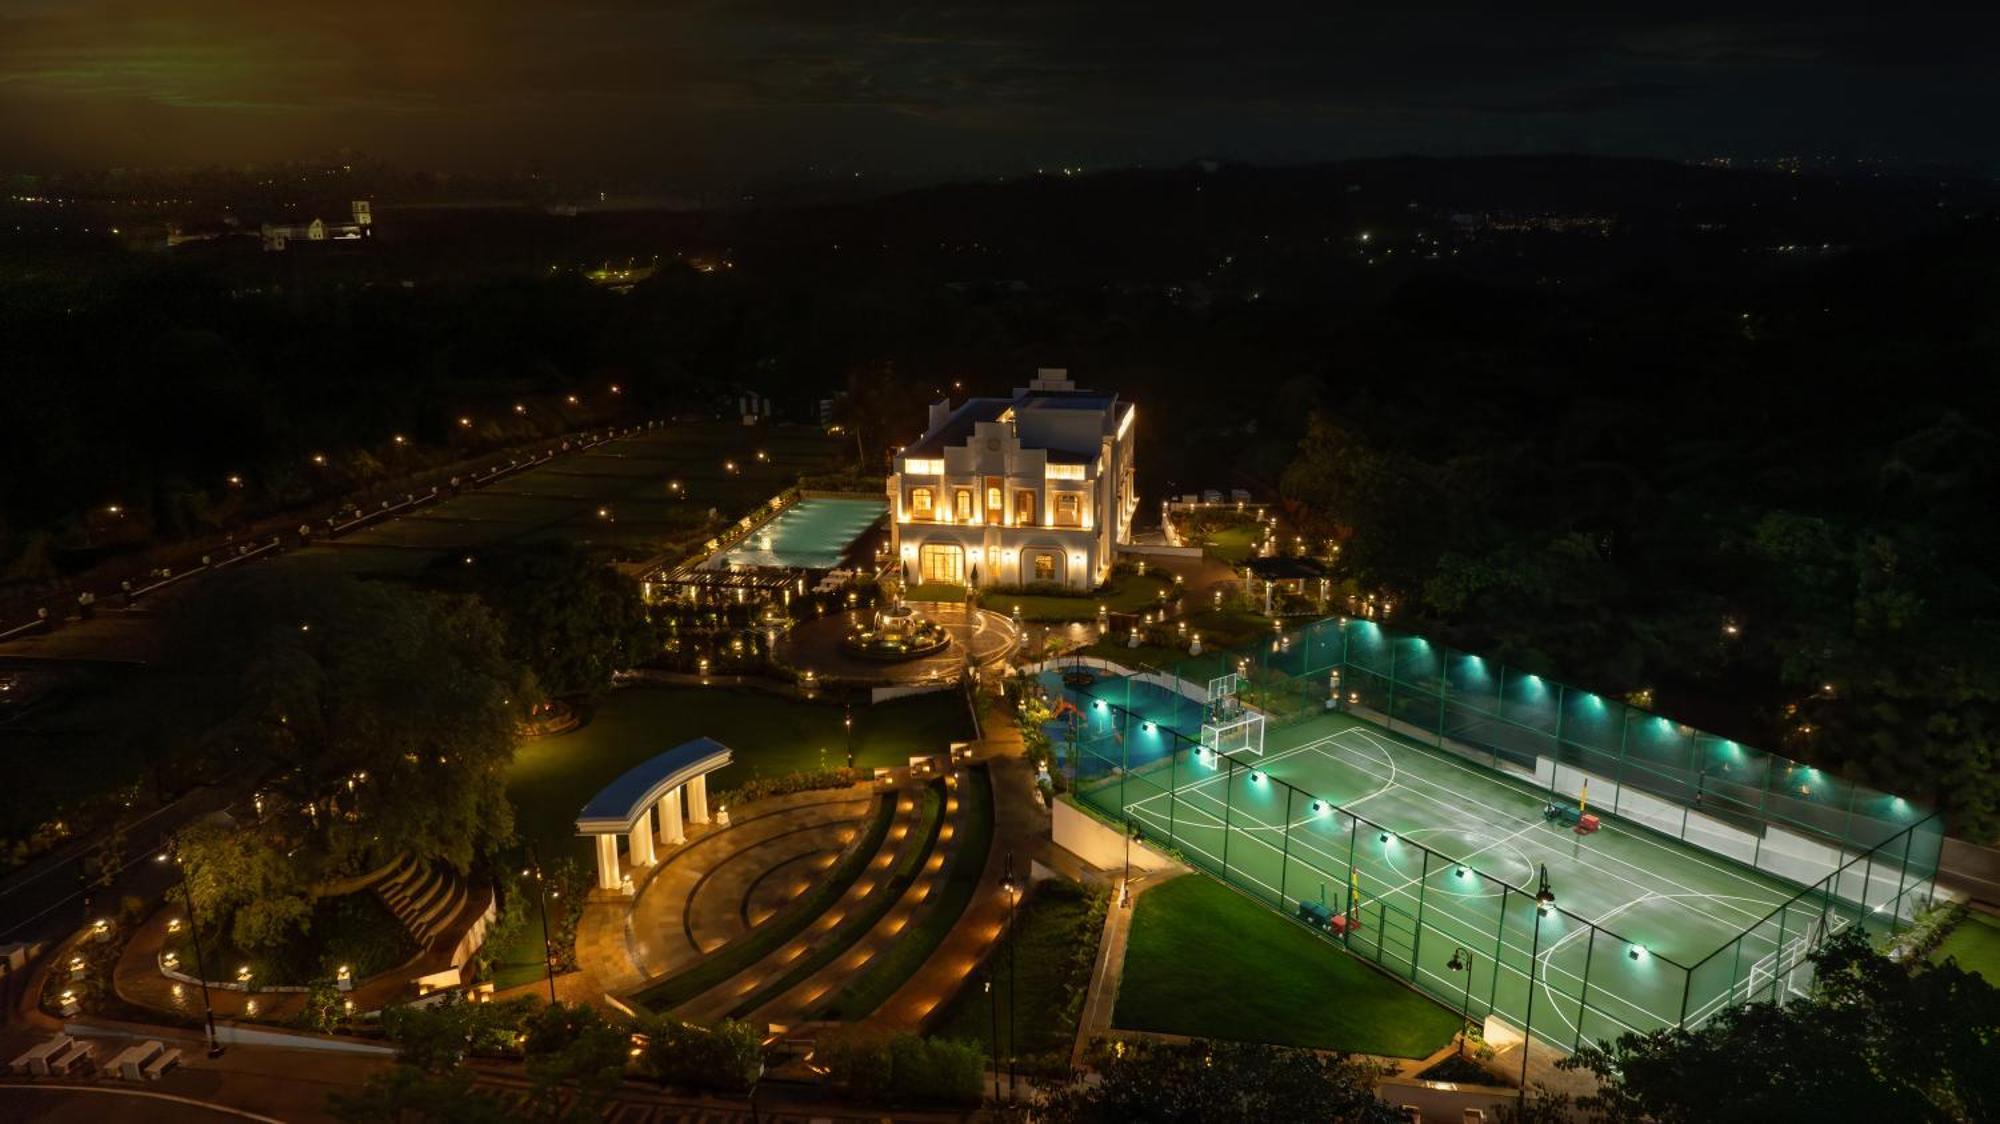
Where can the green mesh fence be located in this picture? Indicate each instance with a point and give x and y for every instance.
(1417, 794)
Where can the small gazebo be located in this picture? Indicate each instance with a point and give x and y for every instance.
(625, 806)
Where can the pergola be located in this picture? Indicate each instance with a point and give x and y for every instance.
(625, 806)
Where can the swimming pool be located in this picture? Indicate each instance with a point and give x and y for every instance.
(810, 535)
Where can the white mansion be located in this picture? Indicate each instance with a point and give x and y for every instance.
(1015, 491)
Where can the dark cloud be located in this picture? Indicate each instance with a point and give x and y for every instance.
(756, 86)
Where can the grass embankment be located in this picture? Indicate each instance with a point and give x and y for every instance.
(789, 922)
(857, 923)
(1975, 944)
(1124, 594)
(1054, 948)
(916, 943)
(936, 591)
(1206, 961)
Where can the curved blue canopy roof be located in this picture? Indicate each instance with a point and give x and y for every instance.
(620, 802)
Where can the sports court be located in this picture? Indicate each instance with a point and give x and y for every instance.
(1427, 849)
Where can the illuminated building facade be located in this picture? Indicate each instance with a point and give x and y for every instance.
(1036, 489)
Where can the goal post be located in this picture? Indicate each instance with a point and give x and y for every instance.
(1242, 733)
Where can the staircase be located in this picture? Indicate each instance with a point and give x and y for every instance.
(424, 897)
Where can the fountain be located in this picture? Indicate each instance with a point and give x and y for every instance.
(898, 632)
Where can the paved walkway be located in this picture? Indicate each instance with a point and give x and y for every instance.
(692, 900)
(903, 839)
(1019, 825)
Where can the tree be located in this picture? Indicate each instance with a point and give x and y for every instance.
(242, 883)
(436, 1038)
(575, 1059)
(409, 1095)
(727, 1057)
(379, 719)
(569, 620)
(1204, 1082)
(1875, 1040)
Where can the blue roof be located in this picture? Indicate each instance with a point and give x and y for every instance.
(617, 804)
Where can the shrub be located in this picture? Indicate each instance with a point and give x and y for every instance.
(936, 1070)
(785, 784)
(727, 1058)
(858, 1060)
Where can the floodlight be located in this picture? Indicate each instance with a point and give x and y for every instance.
(1636, 952)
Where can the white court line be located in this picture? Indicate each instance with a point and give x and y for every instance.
(1471, 926)
(1608, 874)
(1548, 969)
(1686, 852)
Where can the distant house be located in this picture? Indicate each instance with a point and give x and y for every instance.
(278, 236)
(1036, 488)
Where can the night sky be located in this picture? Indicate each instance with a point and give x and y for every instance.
(671, 90)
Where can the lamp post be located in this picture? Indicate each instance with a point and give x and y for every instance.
(194, 934)
(847, 719)
(1545, 900)
(1013, 897)
(542, 900)
(1461, 961)
(993, 1038)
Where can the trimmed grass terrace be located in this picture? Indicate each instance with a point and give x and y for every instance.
(856, 925)
(765, 939)
(915, 944)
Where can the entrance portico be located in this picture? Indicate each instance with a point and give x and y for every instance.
(626, 806)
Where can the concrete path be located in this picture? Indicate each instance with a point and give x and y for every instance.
(1019, 825)
(719, 1000)
(691, 900)
(797, 1004)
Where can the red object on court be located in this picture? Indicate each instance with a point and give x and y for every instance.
(1586, 824)
(1343, 926)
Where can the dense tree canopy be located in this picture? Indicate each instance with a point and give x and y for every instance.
(569, 621)
(377, 719)
(1875, 1040)
(1221, 1083)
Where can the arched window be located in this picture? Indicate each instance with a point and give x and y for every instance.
(920, 503)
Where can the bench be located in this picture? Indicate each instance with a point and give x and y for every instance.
(166, 1061)
(73, 1056)
(36, 1060)
(126, 1064)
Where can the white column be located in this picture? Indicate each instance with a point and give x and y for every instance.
(698, 799)
(642, 838)
(607, 861)
(670, 818)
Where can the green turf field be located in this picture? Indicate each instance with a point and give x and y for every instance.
(1204, 960)
(1445, 854)
(1975, 944)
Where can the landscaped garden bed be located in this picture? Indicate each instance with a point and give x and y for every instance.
(1054, 947)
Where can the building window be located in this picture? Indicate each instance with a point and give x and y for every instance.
(962, 500)
(995, 506)
(920, 503)
(1024, 508)
(1046, 567)
(1068, 511)
(942, 563)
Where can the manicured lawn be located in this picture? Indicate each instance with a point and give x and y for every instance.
(553, 777)
(914, 946)
(1055, 946)
(790, 922)
(1126, 593)
(1975, 944)
(1232, 544)
(935, 591)
(1204, 960)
